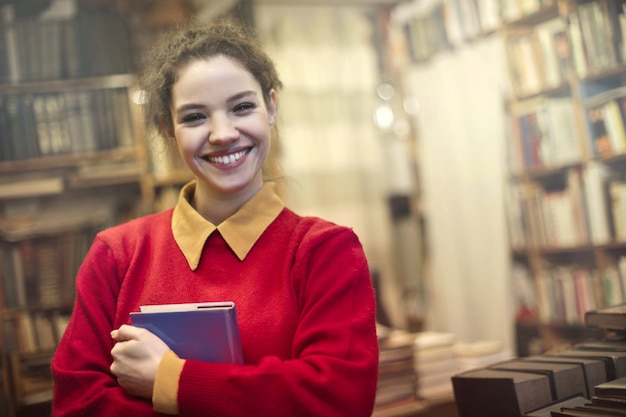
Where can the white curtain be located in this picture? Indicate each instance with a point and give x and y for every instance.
(330, 149)
(462, 136)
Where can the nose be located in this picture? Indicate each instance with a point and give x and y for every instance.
(222, 129)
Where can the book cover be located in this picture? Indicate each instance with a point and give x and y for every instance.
(207, 332)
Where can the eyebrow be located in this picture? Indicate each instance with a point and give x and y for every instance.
(231, 99)
(241, 95)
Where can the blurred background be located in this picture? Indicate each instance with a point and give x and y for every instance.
(475, 146)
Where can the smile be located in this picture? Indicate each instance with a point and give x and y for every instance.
(228, 159)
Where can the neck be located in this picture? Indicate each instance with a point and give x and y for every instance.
(217, 206)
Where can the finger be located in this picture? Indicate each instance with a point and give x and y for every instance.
(126, 332)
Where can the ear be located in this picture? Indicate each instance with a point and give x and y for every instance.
(167, 128)
(272, 107)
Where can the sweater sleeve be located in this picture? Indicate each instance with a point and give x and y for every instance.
(334, 365)
(83, 383)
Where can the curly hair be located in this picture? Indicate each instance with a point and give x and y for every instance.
(191, 42)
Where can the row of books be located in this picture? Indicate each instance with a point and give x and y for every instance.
(540, 58)
(589, 41)
(587, 205)
(35, 125)
(430, 27)
(547, 132)
(33, 332)
(54, 47)
(41, 272)
(563, 294)
(549, 217)
(588, 379)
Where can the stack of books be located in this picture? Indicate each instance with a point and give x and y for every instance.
(435, 364)
(479, 354)
(397, 379)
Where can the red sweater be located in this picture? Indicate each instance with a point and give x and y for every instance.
(305, 309)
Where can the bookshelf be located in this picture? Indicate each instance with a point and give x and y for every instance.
(566, 156)
(73, 160)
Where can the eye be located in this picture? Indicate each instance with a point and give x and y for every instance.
(243, 107)
(193, 117)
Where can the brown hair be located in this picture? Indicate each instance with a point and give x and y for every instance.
(191, 42)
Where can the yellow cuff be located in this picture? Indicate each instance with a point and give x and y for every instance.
(165, 394)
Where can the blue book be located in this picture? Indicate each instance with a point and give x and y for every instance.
(207, 332)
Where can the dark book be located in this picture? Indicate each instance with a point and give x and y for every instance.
(614, 362)
(207, 332)
(609, 318)
(547, 411)
(594, 370)
(496, 393)
(614, 402)
(566, 380)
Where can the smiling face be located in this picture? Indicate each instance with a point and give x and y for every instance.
(222, 126)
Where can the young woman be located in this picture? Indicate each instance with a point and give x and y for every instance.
(301, 285)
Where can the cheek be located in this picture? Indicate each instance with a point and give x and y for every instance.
(186, 141)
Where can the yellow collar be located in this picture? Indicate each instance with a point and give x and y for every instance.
(240, 231)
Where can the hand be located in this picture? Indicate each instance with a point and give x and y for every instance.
(136, 358)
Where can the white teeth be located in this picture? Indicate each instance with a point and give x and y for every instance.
(228, 159)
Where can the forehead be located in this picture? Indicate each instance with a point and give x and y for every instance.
(217, 69)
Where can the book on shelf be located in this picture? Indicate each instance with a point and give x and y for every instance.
(538, 57)
(609, 318)
(56, 46)
(65, 122)
(565, 293)
(41, 271)
(547, 132)
(594, 177)
(616, 192)
(596, 34)
(206, 332)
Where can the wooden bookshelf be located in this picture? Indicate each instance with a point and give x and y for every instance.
(73, 160)
(566, 70)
